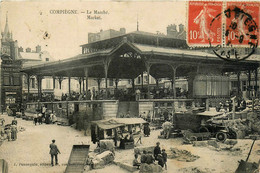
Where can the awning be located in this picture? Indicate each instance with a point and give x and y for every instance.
(118, 122)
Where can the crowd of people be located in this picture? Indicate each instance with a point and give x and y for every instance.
(126, 94)
(45, 116)
(9, 131)
(158, 156)
(117, 94)
(240, 105)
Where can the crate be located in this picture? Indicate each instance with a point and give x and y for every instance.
(129, 145)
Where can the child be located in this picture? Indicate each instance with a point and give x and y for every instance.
(136, 162)
(164, 155)
(35, 118)
(8, 133)
(160, 160)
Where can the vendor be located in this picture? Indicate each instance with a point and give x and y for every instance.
(146, 130)
(122, 142)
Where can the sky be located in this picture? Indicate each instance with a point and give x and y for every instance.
(29, 21)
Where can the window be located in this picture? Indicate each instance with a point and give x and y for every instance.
(56, 84)
(25, 81)
(47, 59)
(110, 82)
(139, 80)
(33, 82)
(6, 80)
(16, 79)
(48, 83)
(146, 78)
(244, 85)
(234, 84)
(11, 80)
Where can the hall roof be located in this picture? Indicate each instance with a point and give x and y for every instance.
(128, 55)
(118, 122)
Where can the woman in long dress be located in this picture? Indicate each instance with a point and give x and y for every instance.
(13, 132)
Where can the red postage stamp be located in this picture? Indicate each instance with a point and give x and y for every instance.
(224, 26)
(200, 30)
(241, 21)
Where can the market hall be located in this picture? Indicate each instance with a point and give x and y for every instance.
(129, 56)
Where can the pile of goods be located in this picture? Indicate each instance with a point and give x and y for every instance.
(182, 155)
(238, 126)
(100, 160)
(151, 168)
(254, 122)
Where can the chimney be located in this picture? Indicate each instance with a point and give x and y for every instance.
(38, 49)
(20, 49)
(28, 49)
(172, 31)
(181, 28)
(122, 30)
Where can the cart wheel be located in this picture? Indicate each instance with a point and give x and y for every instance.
(221, 136)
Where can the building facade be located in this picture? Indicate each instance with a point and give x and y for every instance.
(11, 85)
(31, 57)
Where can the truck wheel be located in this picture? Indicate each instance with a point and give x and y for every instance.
(221, 136)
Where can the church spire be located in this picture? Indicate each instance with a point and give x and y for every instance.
(6, 25)
(6, 34)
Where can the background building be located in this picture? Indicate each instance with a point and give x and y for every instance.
(11, 88)
(102, 35)
(31, 57)
(13, 83)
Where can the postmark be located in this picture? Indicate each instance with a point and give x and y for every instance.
(241, 23)
(237, 23)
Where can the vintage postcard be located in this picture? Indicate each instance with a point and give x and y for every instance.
(129, 86)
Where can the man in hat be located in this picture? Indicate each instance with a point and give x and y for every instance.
(157, 150)
(54, 151)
